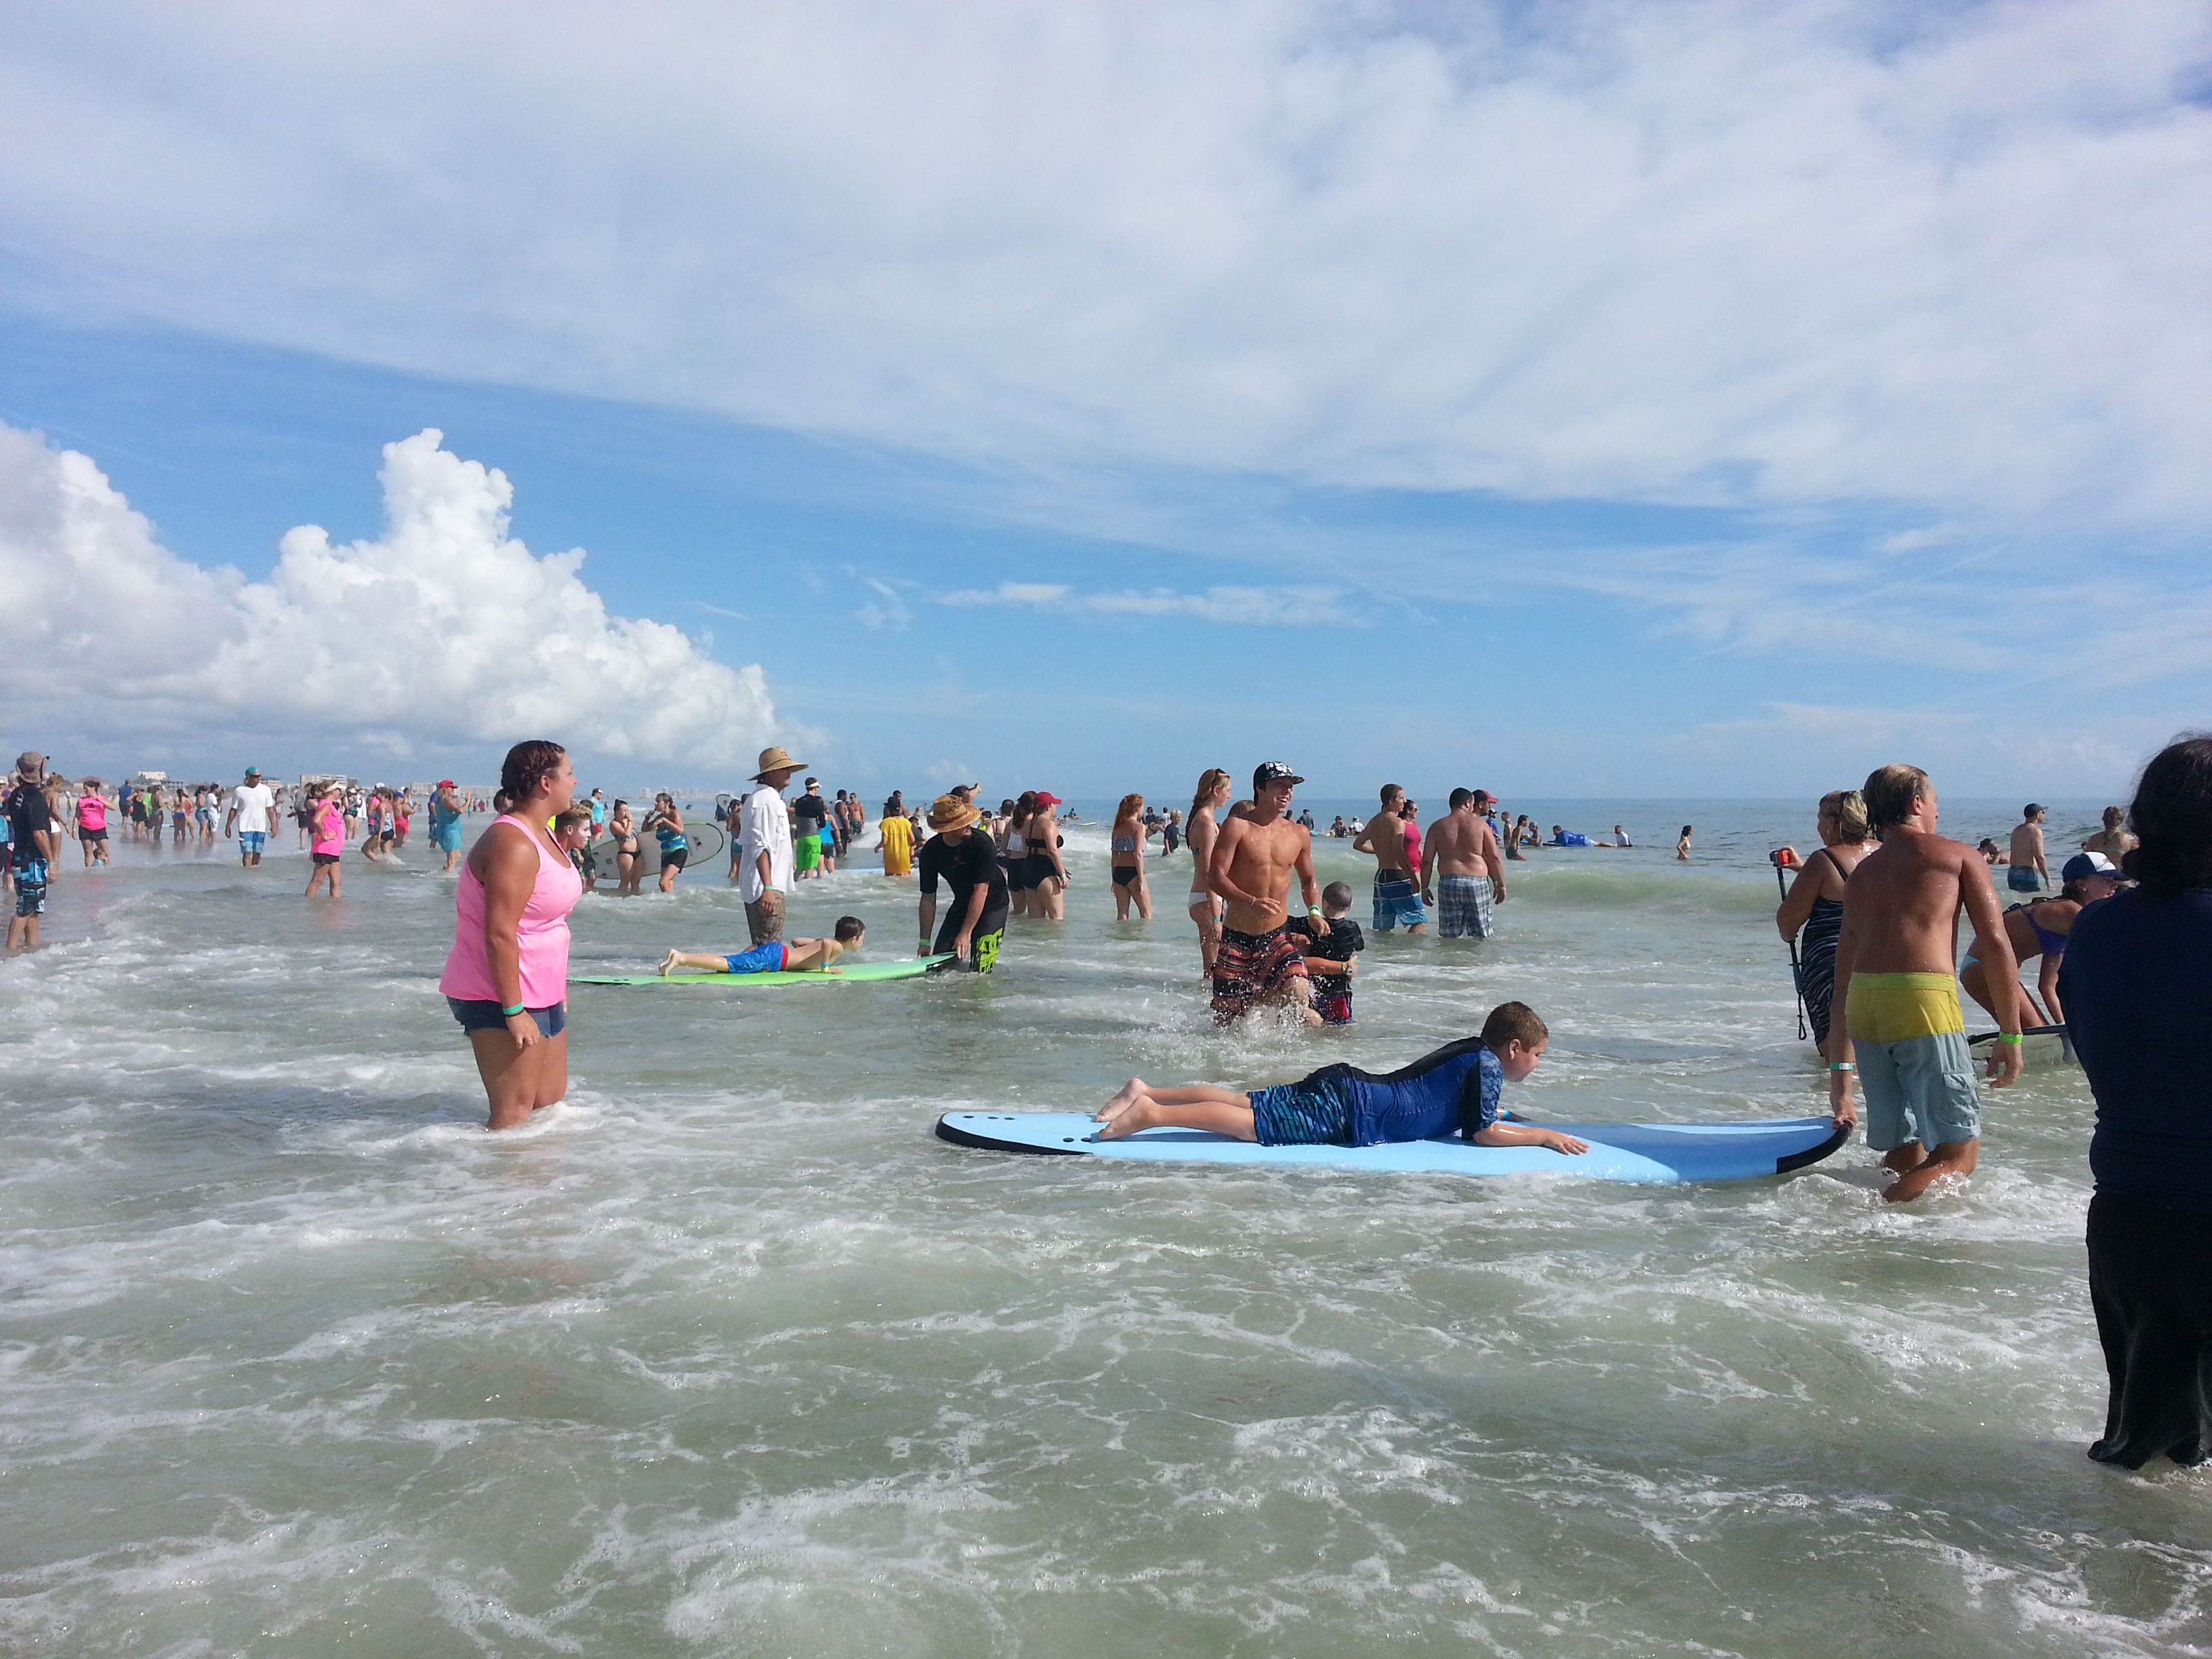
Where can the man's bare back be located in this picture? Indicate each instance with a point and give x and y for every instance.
(1462, 844)
(1906, 895)
(2028, 847)
(1385, 835)
(1901, 906)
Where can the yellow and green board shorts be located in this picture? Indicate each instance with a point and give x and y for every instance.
(1915, 1068)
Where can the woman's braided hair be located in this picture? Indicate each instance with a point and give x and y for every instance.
(526, 767)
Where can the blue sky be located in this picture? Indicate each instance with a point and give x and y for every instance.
(1603, 401)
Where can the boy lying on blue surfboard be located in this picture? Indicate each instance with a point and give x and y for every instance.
(796, 956)
(1455, 1090)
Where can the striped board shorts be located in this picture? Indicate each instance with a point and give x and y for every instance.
(1395, 901)
(1302, 1113)
(1463, 906)
(1251, 967)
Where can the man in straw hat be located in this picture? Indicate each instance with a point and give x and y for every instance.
(29, 806)
(975, 921)
(761, 853)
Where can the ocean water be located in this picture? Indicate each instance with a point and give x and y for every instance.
(726, 1355)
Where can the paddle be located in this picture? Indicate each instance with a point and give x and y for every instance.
(1797, 969)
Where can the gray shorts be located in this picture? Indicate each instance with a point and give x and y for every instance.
(1463, 905)
(764, 917)
(1919, 1088)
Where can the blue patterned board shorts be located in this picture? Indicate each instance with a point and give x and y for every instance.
(30, 886)
(1395, 901)
(1302, 1113)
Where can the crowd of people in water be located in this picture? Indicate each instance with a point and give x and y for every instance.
(2122, 935)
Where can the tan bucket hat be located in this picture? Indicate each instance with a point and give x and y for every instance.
(951, 813)
(776, 758)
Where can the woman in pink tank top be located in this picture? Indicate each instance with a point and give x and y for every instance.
(507, 976)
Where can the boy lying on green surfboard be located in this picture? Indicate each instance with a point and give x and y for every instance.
(798, 956)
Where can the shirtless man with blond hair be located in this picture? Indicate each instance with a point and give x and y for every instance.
(1902, 1034)
(1462, 857)
(1259, 961)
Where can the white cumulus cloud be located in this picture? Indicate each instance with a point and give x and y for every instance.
(444, 630)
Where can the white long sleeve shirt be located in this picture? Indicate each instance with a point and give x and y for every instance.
(763, 826)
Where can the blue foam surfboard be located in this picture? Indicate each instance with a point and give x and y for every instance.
(1649, 1152)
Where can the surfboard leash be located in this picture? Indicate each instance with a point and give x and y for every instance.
(1796, 968)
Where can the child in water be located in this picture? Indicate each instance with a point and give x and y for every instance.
(1455, 1090)
(798, 956)
(1331, 969)
(572, 833)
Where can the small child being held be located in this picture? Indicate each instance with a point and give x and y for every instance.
(1331, 969)
(1457, 1089)
(798, 956)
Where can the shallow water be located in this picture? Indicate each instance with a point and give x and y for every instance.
(726, 1355)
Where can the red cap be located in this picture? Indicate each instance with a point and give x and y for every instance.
(1044, 799)
(444, 783)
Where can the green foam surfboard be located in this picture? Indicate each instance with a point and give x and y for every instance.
(847, 974)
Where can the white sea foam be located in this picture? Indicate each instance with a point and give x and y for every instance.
(726, 1354)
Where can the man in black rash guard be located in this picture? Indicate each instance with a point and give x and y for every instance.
(975, 921)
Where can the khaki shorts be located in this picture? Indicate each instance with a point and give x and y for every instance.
(764, 917)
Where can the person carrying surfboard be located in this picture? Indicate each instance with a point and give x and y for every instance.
(1902, 1034)
(790, 955)
(1457, 1089)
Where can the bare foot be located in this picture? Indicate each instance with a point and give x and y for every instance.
(1130, 1093)
(667, 964)
(1127, 1120)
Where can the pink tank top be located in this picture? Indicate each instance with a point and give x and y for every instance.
(543, 932)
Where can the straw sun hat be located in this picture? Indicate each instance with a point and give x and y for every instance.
(776, 758)
(951, 813)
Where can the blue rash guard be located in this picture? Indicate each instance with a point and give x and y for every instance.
(1455, 1090)
(2137, 986)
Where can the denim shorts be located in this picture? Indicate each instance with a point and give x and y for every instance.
(486, 1017)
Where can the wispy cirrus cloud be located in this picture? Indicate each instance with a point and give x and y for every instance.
(1812, 250)
(1293, 607)
(887, 611)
